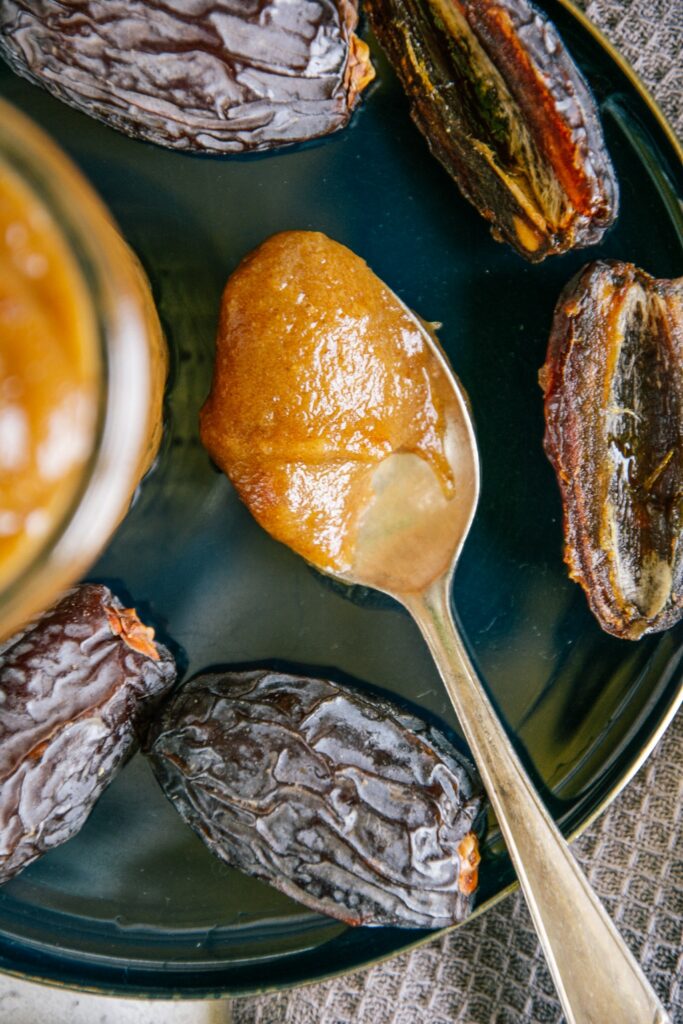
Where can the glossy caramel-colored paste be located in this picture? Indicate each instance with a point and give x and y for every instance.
(321, 375)
(48, 375)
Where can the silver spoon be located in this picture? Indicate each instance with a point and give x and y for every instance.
(409, 540)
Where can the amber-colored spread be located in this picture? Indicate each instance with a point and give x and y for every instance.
(48, 375)
(321, 374)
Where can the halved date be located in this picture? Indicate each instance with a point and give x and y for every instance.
(75, 688)
(508, 114)
(217, 75)
(349, 805)
(613, 382)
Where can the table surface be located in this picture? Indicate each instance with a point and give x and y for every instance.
(491, 971)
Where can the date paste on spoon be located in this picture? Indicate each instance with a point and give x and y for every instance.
(332, 414)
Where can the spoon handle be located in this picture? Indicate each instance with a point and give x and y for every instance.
(597, 979)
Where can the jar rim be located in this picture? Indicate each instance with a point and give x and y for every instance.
(122, 321)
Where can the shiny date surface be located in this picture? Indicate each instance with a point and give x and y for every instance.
(211, 75)
(347, 804)
(508, 114)
(75, 688)
(613, 383)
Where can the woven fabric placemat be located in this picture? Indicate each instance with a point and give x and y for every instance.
(492, 971)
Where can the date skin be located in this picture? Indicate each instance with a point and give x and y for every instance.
(221, 76)
(354, 808)
(76, 686)
(507, 113)
(613, 383)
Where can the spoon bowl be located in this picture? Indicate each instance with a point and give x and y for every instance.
(411, 532)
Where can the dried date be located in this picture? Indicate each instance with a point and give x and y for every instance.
(613, 382)
(75, 688)
(351, 806)
(217, 75)
(508, 114)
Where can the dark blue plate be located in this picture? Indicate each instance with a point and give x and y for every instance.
(135, 903)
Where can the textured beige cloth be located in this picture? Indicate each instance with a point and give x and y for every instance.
(649, 33)
(491, 971)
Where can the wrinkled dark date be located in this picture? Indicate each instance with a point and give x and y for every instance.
(217, 75)
(613, 383)
(74, 688)
(507, 113)
(350, 806)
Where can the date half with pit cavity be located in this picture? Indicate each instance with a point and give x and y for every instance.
(613, 383)
(508, 114)
(348, 805)
(75, 688)
(222, 76)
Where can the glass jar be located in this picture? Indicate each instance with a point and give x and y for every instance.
(83, 277)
